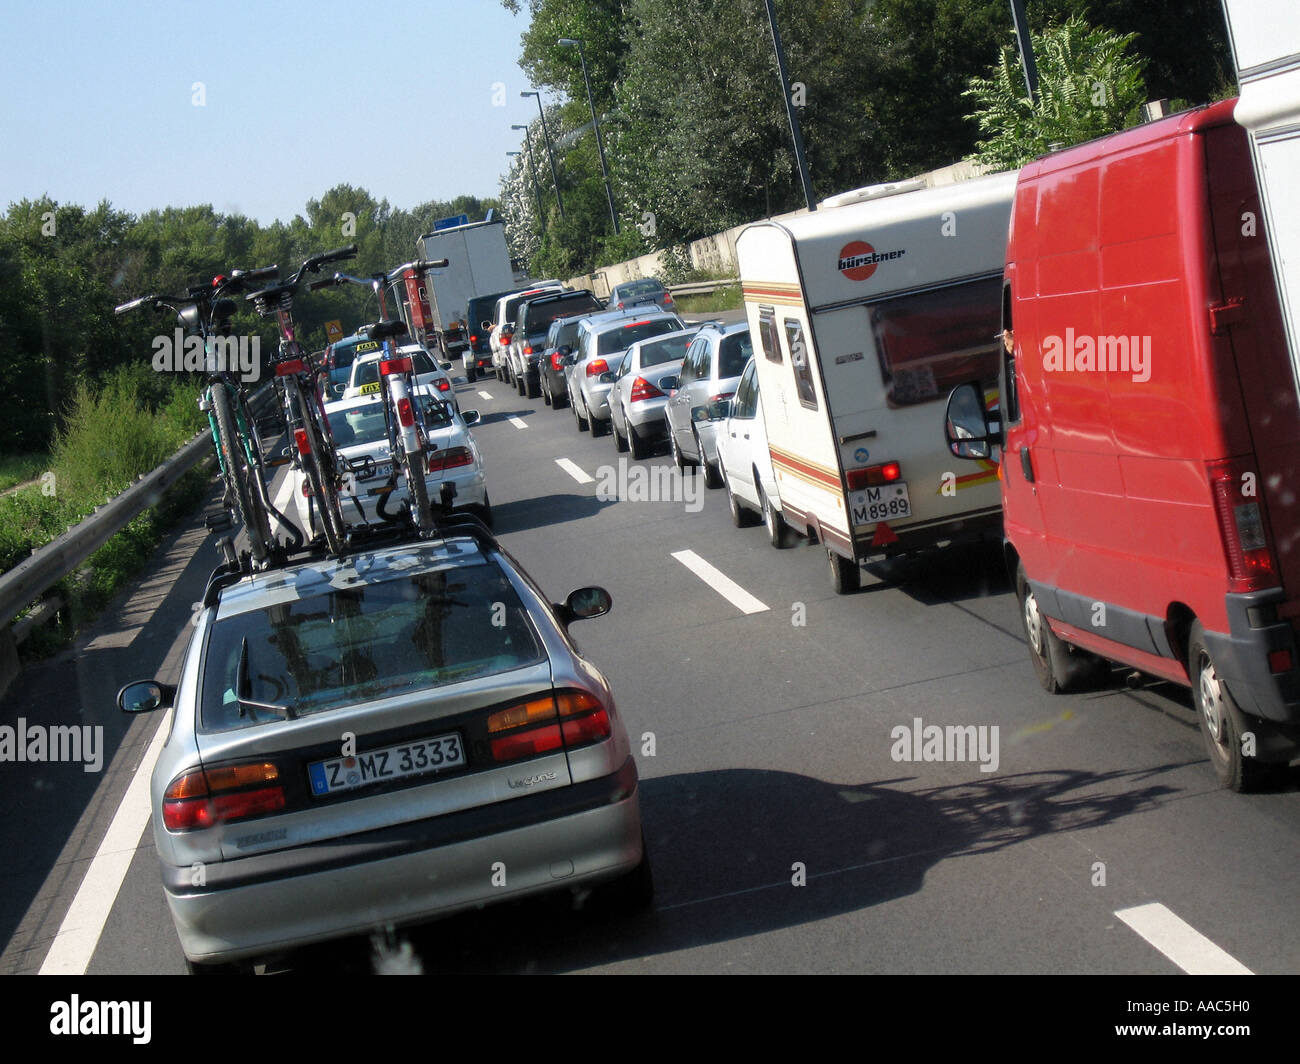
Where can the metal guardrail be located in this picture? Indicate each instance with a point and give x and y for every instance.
(699, 288)
(47, 565)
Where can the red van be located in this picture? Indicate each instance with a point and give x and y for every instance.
(1151, 442)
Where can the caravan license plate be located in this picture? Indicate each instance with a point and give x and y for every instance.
(885, 503)
(391, 763)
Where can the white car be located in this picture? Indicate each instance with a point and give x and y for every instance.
(746, 462)
(359, 432)
(429, 373)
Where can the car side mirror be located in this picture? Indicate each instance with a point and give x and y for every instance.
(584, 604)
(607, 377)
(144, 696)
(470, 417)
(445, 366)
(967, 427)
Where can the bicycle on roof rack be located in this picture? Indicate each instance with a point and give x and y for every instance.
(207, 309)
(403, 410)
(297, 381)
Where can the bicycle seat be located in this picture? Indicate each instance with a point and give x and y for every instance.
(385, 329)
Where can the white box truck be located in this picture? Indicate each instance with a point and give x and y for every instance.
(478, 264)
(1265, 37)
(865, 314)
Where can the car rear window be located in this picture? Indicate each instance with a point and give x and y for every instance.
(669, 349)
(930, 342)
(625, 336)
(538, 318)
(363, 422)
(734, 351)
(359, 643)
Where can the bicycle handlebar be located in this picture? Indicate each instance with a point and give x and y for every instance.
(419, 265)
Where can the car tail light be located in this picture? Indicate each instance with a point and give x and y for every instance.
(1251, 566)
(556, 362)
(473, 338)
(528, 349)
(720, 396)
(874, 476)
(1279, 661)
(452, 458)
(288, 369)
(668, 297)
(300, 438)
(505, 337)
(201, 798)
(643, 389)
(620, 305)
(565, 719)
(634, 324)
(394, 365)
(596, 367)
(444, 385)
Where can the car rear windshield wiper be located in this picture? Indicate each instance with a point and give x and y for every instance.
(243, 689)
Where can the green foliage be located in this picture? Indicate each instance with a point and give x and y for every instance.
(1088, 86)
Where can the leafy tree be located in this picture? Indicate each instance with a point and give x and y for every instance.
(1088, 85)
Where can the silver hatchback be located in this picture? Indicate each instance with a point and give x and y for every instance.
(402, 734)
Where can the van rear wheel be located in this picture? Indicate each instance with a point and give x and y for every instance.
(1222, 724)
(846, 576)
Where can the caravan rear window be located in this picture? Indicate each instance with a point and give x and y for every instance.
(930, 342)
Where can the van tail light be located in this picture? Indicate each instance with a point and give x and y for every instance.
(565, 719)
(201, 798)
(1235, 486)
(405, 412)
(643, 389)
(873, 476)
(452, 458)
(596, 367)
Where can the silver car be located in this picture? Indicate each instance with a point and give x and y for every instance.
(600, 349)
(402, 734)
(645, 290)
(637, 400)
(710, 373)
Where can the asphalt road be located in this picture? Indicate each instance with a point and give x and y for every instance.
(786, 830)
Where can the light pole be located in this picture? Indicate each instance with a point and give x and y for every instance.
(1021, 24)
(546, 134)
(537, 189)
(793, 115)
(572, 42)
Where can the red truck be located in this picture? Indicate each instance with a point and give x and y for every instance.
(1150, 430)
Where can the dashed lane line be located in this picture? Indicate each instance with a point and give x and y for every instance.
(1180, 941)
(720, 582)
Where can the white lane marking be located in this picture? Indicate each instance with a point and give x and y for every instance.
(574, 470)
(485, 395)
(1180, 941)
(516, 422)
(74, 945)
(722, 584)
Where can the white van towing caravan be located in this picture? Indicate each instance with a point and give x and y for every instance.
(867, 313)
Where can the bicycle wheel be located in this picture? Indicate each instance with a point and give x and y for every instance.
(235, 469)
(260, 525)
(318, 471)
(413, 465)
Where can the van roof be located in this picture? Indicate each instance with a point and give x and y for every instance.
(1184, 122)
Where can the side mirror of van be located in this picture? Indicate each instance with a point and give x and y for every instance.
(966, 423)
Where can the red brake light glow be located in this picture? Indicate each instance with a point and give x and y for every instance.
(405, 412)
(199, 799)
(596, 367)
(300, 438)
(287, 369)
(873, 476)
(643, 389)
(566, 719)
(1251, 566)
(390, 366)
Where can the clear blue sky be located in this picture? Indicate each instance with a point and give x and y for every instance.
(96, 101)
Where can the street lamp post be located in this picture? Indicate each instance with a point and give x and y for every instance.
(572, 42)
(537, 189)
(546, 134)
(1021, 24)
(793, 115)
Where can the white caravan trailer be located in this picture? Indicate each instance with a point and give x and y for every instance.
(866, 314)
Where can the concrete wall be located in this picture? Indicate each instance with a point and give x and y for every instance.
(718, 252)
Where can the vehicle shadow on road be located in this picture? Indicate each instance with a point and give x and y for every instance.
(728, 847)
(554, 509)
(505, 415)
(959, 573)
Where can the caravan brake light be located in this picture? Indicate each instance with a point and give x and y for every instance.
(873, 476)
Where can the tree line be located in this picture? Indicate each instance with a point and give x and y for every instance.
(695, 127)
(64, 267)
